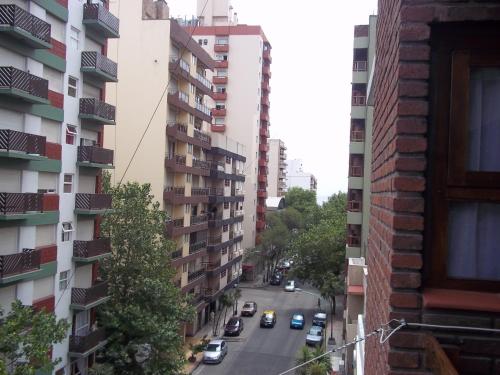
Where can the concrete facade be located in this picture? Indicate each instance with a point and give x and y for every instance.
(276, 179)
(296, 177)
(51, 136)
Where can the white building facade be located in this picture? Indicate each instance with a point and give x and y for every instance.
(296, 177)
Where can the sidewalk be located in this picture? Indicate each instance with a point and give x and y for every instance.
(338, 326)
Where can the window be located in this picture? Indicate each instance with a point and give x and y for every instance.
(63, 280)
(68, 183)
(227, 182)
(74, 38)
(184, 267)
(205, 42)
(191, 119)
(190, 148)
(71, 134)
(220, 89)
(186, 238)
(72, 86)
(464, 206)
(221, 73)
(193, 60)
(187, 209)
(67, 231)
(225, 228)
(258, 107)
(224, 251)
(228, 160)
(192, 88)
(189, 177)
(223, 273)
(226, 205)
(200, 42)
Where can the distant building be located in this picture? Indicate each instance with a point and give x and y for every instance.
(296, 177)
(275, 203)
(276, 178)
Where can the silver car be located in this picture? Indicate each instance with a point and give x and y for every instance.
(314, 336)
(215, 351)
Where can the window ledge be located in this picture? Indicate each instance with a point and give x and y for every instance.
(461, 300)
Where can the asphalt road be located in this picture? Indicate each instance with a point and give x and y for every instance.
(266, 351)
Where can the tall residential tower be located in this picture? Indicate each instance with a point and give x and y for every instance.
(276, 179)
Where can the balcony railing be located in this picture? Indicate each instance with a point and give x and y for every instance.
(19, 19)
(176, 254)
(196, 274)
(198, 219)
(84, 344)
(360, 66)
(15, 264)
(86, 296)
(199, 191)
(357, 136)
(176, 190)
(178, 127)
(94, 154)
(17, 203)
(94, 62)
(202, 136)
(176, 223)
(94, 109)
(183, 97)
(90, 249)
(213, 265)
(217, 191)
(355, 171)
(179, 159)
(201, 164)
(204, 81)
(203, 108)
(358, 100)
(99, 18)
(195, 299)
(15, 79)
(354, 240)
(214, 240)
(84, 201)
(197, 246)
(354, 206)
(11, 140)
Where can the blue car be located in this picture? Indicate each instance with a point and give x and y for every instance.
(297, 321)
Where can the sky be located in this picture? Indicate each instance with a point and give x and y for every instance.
(312, 48)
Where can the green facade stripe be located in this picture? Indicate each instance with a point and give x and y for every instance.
(46, 270)
(54, 8)
(47, 111)
(42, 218)
(41, 165)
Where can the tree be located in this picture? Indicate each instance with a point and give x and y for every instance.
(26, 336)
(145, 310)
(275, 241)
(302, 200)
(320, 366)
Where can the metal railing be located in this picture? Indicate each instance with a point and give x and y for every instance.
(196, 274)
(86, 201)
(94, 154)
(355, 171)
(358, 100)
(357, 136)
(197, 246)
(95, 60)
(201, 164)
(176, 190)
(176, 223)
(360, 66)
(13, 78)
(97, 12)
(11, 140)
(202, 136)
(178, 126)
(15, 203)
(95, 107)
(217, 191)
(354, 206)
(83, 344)
(203, 108)
(12, 15)
(204, 81)
(198, 219)
(199, 191)
(89, 249)
(86, 296)
(179, 159)
(15, 264)
(176, 254)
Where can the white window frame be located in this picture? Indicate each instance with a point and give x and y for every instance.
(64, 281)
(190, 148)
(70, 183)
(74, 37)
(72, 133)
(189, 177)
(72, 87)
(67, 231)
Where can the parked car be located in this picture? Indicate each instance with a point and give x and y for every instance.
(297, 321)
(290, 286)
(233, 327)
(314, 336)
(276, 279)
(319, 319)
(249, 308)
(268, 319)
(215, 351)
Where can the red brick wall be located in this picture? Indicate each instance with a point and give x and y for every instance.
(398, 183)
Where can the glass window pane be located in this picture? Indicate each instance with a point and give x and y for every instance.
(484, 120)
(473, 241)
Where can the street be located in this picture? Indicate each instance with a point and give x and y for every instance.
(266, 351)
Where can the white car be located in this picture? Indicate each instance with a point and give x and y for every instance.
(290, 286)
(215, 351)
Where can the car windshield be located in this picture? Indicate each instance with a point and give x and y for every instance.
(320, 316)
(298, 317)
(247, 306)
(233, 322)
(315, 331)
(213, 348)
(289, 283)
(268, 316)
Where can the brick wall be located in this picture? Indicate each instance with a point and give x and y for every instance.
(395, 254)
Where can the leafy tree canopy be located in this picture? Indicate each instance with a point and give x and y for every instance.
(146, 309)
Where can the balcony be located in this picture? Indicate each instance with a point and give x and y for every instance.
(217, 80)
(262, 178)
(86, 298)
(199, 220)
(358, 100)
(97, 18)
(192, 276)
(94, 156)
(27, 29)
(204, 81)
(22, 145)
(221, 47)
(174, 227)
(202, 137)
(201, 164)
(99, 66)
(354, 205)
(263, 147)
(19, 263)
(179, 99)
(177, 254)
(263, 162)
(219, 96)
(82, 346)
(261, 193)
(197, 246)
(14, 206)
(266, 70)
(176, 162)
(265, 101)
(218, 112)
(94, 110)
(221, 64)
(18, 84)
(261, 225)
(265, 86)
(357, 136)
(355, 171)
(218, 128)
(264, 116)
(261, 209)
(360, 66)
(200, 191)
(90, 251)
(267, 55)
(92, 204)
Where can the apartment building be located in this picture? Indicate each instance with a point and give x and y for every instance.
(198, 179)
(358, 193)
(241, 84)
(53, 75)
(433, 242)
(276, 185)
(296, 177)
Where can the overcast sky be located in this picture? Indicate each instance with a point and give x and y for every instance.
(311, 77)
